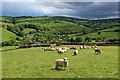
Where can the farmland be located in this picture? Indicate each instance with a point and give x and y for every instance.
(103, 34)
(20, 32)
(37, 63)
(57, 29)
(6, 35)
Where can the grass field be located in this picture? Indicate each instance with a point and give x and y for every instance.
(108, 33)
(110, 30)
(102, 35)
(7, 48)
(6, 35)
(27, 30)
(36, 63)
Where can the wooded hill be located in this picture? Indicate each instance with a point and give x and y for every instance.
(26, 30)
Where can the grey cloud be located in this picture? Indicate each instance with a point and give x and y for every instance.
(94, 9)
(77, 9)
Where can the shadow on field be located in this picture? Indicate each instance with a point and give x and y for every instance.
(74, 55)
(58, 69)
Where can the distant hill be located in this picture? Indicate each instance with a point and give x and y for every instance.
(56, 29)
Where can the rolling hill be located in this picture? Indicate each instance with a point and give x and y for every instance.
(6, 35)
(56, 29)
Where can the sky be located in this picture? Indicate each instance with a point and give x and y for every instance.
(81, 9)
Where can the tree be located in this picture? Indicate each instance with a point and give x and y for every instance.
(79, 39)
(18, 38)
(13, 21)
(34, 41)
(72, 39)
(88, 39)
(86, 31)
(99, 33)
(9, 43)
(27, 41)
(21, 34)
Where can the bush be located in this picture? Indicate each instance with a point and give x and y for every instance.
(99, 33)
(79, 39)
(88, 39)
(21, 34)
(18, 38)
(72, 39)
(9, 43)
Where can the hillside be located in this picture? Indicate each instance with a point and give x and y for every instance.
(57, 29)
(7, 35)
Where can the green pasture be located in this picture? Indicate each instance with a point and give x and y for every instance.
(102, 35)
(110, 29)
(6, 35)
(8, 48)
(37, 63)
(27, 30)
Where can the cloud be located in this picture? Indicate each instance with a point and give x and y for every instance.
(18, 0)
(49, 8)
(96, 9)
(89, 10)
(59, 0)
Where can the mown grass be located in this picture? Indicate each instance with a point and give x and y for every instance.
(37, 63)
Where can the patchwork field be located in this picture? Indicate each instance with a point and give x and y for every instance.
(37, 63)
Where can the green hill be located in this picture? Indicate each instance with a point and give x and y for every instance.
(7, 35)
(56, 29)
(28, 30)
(102, 35)
(110, 29)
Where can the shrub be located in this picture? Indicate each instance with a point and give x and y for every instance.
(99, 33)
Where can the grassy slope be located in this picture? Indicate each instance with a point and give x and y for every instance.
(7, 35)
(36, 63)
(110, 30)
(104, 34)
(0, 35)
(27, 30)
(7, 48)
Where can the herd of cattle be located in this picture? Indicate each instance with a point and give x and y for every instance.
(64, 62)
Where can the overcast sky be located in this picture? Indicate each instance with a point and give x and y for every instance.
(90, 10)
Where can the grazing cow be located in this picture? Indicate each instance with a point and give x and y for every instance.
(61, 63)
